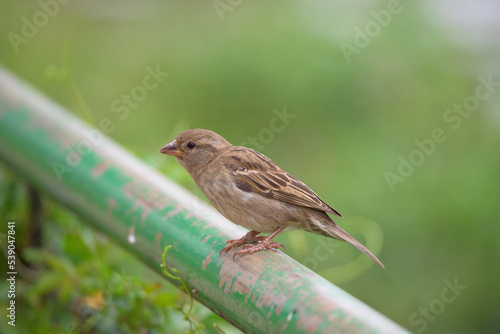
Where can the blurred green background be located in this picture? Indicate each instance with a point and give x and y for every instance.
(361, 83)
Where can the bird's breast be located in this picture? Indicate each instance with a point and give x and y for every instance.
(250, 210)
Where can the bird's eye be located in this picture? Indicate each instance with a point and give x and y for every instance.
(191, 145)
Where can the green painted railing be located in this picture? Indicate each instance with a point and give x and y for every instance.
(144, 211)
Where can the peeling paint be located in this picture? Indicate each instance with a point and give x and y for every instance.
(255, 280)
(309, 323)
(139, 207)
(207, 260)
(158, 240)
(100, 169)
(146, 200)
(233, 279)
(171, 213)
(232, 282)
(37, 122)
(111, 207)
(273, 294)
(211, 224)
(206, 239)
(73, 158)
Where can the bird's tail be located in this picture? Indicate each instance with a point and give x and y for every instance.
(332, 230)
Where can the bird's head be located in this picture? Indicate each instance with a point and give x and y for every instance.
(196, 148)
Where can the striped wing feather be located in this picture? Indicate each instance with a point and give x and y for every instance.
(254, 172)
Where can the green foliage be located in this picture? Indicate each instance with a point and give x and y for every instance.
(177, 277)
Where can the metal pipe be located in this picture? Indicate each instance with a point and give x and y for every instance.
(267, 292)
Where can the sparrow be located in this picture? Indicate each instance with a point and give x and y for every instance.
(250, 190)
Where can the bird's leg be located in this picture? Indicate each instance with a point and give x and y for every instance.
(249, 237)
(266, 243)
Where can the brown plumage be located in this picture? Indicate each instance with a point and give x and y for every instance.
(252, 191)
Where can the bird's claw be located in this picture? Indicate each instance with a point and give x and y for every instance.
(249, 237)
(252, 236)
(230, 241)
(266, 244)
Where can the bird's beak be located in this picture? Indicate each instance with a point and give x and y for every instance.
(172, 149)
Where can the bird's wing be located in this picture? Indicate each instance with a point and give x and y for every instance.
(254, 172)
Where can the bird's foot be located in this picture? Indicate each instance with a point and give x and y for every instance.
(268, 243)
(249, 237)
